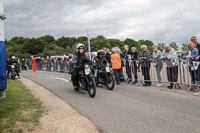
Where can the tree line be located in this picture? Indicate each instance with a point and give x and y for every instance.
(47, 45)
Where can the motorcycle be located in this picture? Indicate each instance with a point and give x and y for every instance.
(105, 77)
(12, 68)
(86, 81)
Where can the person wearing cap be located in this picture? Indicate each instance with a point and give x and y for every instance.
(79, 60)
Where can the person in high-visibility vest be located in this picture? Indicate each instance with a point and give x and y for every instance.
(33, 63)
(116, 65)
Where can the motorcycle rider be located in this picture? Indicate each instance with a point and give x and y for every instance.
(100, 62)
(13, 62)
(23, 65)
(78, 62)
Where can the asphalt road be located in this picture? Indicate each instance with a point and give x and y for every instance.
(127, 109)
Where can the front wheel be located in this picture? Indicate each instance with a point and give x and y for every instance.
(91, 87)
(13, 74)
(110, 83)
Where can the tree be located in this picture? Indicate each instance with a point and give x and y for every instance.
(114, 43)
(174, 45)
(161, 46)
(131, 43)
(184, 47)
(48, 39)
(33, 46)
(66, 41)
(149, 45)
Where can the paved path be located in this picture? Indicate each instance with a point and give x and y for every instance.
(127, 109)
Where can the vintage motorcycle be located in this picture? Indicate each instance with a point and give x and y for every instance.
(86, 80)
(105, 76)
(12, 70)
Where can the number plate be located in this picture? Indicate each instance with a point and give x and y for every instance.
(107, 69)
(87, 71)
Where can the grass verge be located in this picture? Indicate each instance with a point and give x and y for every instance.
(20, 110)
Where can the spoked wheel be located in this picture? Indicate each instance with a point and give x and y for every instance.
(110, 84)
(91, 87)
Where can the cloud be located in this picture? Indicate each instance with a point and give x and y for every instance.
(159, 21)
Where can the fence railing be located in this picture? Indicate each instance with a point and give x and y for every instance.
(182, 73)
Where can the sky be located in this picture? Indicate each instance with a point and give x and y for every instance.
(156, 20)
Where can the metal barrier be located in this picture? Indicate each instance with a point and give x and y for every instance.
(182, 74)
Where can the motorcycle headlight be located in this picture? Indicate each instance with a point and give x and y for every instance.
(86, 66)
(12, 66)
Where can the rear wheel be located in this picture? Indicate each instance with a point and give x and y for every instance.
(110, 83)
(91, 87)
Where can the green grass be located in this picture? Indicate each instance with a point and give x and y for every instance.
(19, 111)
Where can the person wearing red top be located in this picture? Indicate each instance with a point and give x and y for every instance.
(33, 63)
(197, 45)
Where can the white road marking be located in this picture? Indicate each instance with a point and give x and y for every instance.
(65, 80)
(51, 77)
(45, 77)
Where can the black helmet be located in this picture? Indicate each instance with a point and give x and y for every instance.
(100, 52)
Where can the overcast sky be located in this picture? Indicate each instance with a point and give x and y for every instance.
(156, 20)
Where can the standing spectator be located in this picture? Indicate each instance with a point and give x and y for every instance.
(69, 62)
(53, 63)
(57, 62)
(27, 64)
(30, 64)
(62, 64)
(87, 54)
(39, 63)
(197, 45)
(33, 63)
(134, 56)
(144, 57)
(48, 64)
(116, 65)
(107, 54)
(157, 63)
(93, 57)
(36, 62)
(127, 58)
(168, 55)
(122, 64)
(191, 55)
